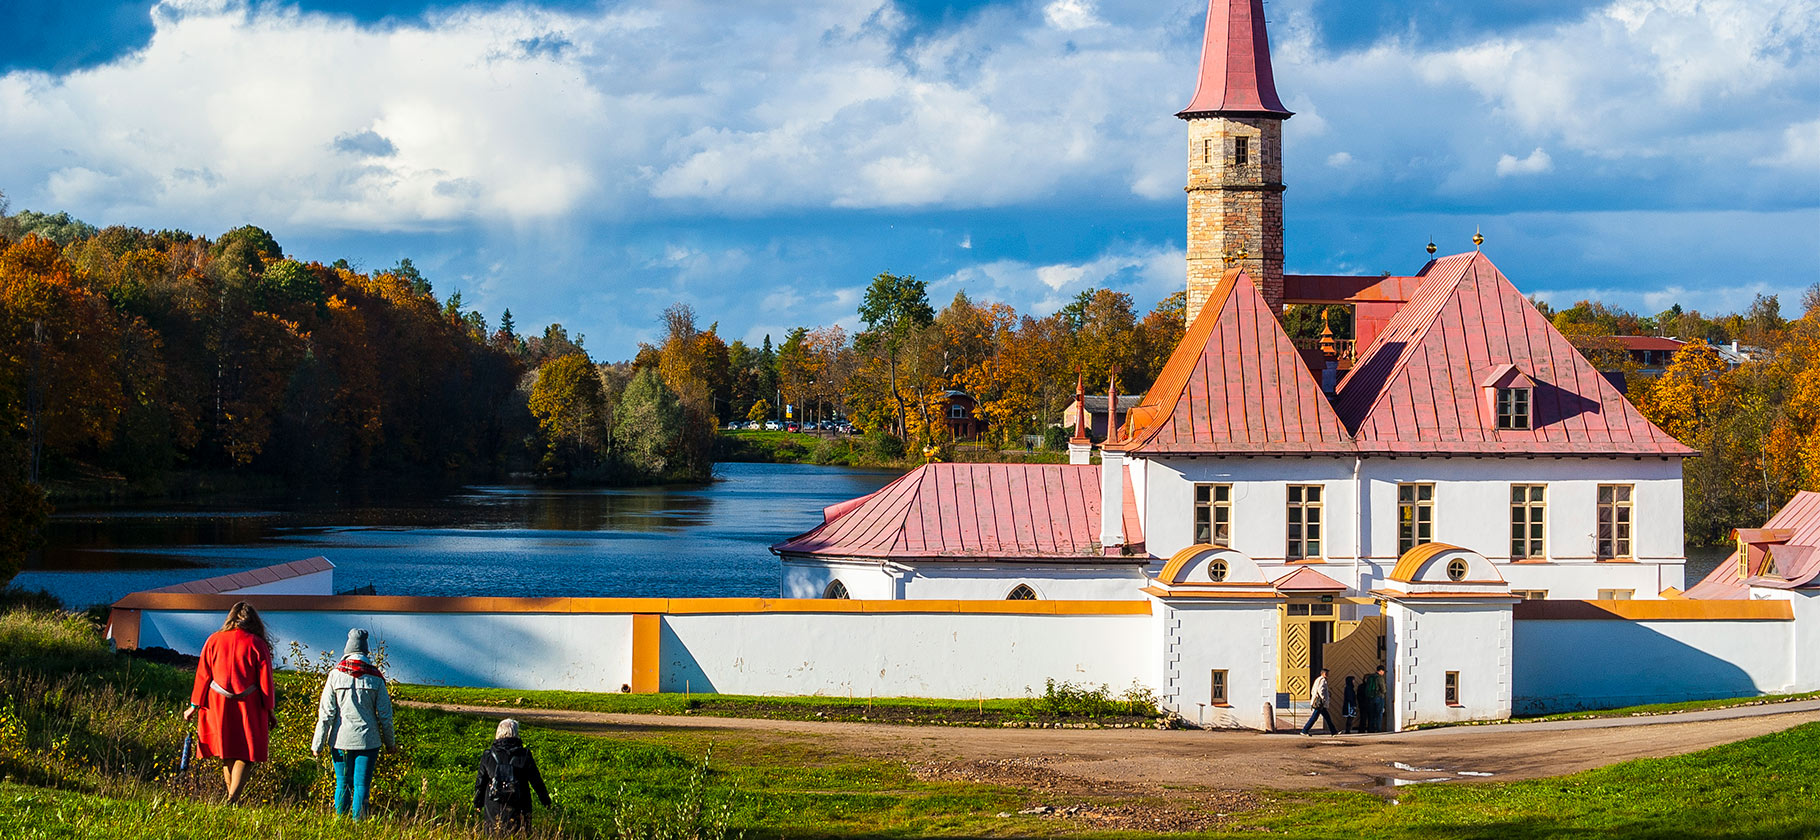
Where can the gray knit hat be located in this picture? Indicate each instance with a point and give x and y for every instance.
(357, 642)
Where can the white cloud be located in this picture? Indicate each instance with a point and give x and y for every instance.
(1800, 148)
(1537, 163)
(1070, 15)
(1339, 160)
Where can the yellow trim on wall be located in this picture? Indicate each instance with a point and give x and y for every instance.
(190, 602)
(1677, 609)
(647, 653)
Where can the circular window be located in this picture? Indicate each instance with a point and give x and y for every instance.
(1216, 570)
(1456, 569)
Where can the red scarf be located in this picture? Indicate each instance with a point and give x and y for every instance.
(357, 668)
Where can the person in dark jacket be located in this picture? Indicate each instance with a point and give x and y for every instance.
(508, 774)
(1349, 705)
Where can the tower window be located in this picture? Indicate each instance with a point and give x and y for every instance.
(1206, 151)
(1241, 151)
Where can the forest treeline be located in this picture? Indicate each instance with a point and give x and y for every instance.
(130, 356)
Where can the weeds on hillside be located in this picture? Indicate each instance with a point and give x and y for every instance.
(1066, 699)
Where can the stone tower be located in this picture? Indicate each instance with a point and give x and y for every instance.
(1235, 157)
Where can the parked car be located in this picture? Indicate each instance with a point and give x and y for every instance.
(773, 426)
(735, 426)
(793, 427)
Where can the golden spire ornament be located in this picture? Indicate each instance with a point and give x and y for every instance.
(1477, 238)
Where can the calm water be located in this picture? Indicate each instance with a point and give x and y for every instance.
(507, 540)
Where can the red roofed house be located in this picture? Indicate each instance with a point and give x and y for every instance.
(1462, 455)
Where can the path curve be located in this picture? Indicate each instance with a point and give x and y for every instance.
(1152, 762)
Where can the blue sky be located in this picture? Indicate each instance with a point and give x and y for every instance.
(591, 162)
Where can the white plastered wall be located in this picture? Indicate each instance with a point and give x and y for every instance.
(1192, 638)
(1567, 665)
(989, 581)
(954, 655)
(566, 651)
(1428, 640)
(864, 579)
(1472, 510)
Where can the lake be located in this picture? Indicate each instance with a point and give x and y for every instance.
(666, 542)
(694, 541)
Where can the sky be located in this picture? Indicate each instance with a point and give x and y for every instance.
(592, 162)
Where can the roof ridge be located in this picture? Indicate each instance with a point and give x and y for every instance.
(1414, 340)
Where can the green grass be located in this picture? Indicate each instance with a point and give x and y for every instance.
(85, 744)
(1671, 708)
(1058, 703)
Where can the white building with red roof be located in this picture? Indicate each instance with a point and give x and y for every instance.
(1463, 420)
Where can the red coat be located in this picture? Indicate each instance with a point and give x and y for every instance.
(234, 728)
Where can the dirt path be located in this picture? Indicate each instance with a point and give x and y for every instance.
(1161, 763)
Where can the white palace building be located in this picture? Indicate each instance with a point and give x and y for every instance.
(1456, 495)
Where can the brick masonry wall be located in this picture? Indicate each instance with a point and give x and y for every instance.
(1234, 208)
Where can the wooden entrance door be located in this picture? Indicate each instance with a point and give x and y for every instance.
(1313, 638)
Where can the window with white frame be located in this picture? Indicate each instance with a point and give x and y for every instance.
(1614, 521)
(1213, 514)
(1304, 522)
(1528, 513)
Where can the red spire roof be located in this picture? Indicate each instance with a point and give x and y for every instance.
(1235, 64)
(1235, 384)
(1420, 386)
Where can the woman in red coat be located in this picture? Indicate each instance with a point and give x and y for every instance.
(235, 695)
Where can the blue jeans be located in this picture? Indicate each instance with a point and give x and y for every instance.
(1319, 713)
(353, 775)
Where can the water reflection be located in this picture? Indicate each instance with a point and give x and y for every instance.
(493, 540)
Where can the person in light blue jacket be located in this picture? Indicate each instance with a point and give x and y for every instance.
(353, 720)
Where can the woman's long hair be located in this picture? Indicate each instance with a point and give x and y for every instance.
(242, 616)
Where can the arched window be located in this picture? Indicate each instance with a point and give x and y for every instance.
(1456, 569)
(836, 589)
(1021, 592)
(1216, 570)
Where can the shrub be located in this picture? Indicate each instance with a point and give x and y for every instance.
(1067, 699)
(884, 445)
(832, 451)
(1056, 438)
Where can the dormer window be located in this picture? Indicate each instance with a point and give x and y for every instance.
(1241, 151)
(1509, 398)
(1513, 408)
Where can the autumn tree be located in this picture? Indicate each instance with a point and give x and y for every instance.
(567, 402)
(651, 429)
(895, 311)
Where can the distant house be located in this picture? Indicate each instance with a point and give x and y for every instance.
(1096, 413)
(958, 411)
(1652, 354)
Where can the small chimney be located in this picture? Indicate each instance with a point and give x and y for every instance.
(1112, 406)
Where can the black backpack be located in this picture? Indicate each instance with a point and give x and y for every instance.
(505, 786)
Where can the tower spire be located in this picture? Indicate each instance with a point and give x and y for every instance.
(1235, 158)
(1236, 79)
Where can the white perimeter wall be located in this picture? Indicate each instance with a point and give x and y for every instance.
(901, 654)
(1569, 665)
(889, 655)
(573, 652)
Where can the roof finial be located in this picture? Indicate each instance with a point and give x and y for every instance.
(1477, 238)
(1112, 406)
(1431, 246)
(1080, 408)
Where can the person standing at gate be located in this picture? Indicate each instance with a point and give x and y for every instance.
(1371, 701)
(1349, 705)
(1318, 699)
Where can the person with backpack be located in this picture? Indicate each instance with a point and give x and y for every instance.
(508, 774)
(1371, 701)
(353, 720)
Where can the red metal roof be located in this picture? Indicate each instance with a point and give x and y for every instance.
(1416, 388)
(1235, 64)
(1346, 288)
(973, 512)
(1235, 384)
(1307, 579)
(251, 577)
(1795, 557)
